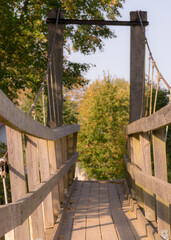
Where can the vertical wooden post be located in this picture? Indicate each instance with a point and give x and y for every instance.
(149, 205)
(53, 169)
(37, 224)
(160, 168)
(17, 176)
(132, 182)
(72, 143)
(58, 149)
(137, 88)
(55, 96)
(136, 152)
(64, 159)
(45, 173)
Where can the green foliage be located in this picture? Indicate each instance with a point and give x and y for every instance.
(70, 115)
(25, 101)
(103, 113)
(23, 45)
(162, 98)
(162, 101)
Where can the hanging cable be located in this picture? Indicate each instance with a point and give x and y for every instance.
(148, 86)
(48, 66)
(157, 88)
(151, 91)
(150, 53)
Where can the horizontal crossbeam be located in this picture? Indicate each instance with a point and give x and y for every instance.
(97, 22)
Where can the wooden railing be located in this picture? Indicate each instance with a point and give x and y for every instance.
(41, 164)
(146, 166)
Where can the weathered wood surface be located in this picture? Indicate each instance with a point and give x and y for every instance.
(137, 73)
(118, 215)
(13, 117)
(52, 169)
(160, 170)
(157, 120)
(45, 174)
(145, 145)
(55, 79)
(108, 229)
(153, 184)
(99, 211)
(17, 176)
(18, 212)
(36, 218)
(64, 159)
(58, 147)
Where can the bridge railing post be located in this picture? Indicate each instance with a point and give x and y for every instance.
(160, 171)
(55, 78)
(137, 68)
(17, 179)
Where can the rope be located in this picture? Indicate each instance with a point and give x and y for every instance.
(150, 53)
(148, 85)
(157, 88)
(151, 92)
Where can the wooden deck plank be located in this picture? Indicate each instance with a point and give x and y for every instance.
(66, 229)
(119, 218)
(137, 229)
(79, 225)
(108, 230)
(93, 225)
(99, 211)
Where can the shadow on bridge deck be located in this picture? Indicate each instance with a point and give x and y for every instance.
(99, 211)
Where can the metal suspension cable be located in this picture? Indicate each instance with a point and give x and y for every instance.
(48, 66)
(150, 53)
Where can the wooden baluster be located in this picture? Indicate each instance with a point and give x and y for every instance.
(36, 219)
(72, 144)
(17, 177)
(58, 149)
(149, 205)
(52, 170)
(45, 173)
(138, 163)
(160, 168)
(133, 191)
(64, 159)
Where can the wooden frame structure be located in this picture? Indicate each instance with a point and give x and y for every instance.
(48, 155)
(150, 186)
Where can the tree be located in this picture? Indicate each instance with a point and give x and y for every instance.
(23, 46)
(103, 113)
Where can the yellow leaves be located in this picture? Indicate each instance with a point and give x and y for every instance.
(113, 2)
(38, 22)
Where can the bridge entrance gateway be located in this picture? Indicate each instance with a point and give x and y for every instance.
(47, 202)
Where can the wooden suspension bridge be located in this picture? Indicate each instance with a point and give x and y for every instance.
(49, 203)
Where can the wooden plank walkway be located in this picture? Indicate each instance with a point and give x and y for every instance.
(99, 211)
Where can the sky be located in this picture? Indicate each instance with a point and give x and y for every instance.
(115, 58)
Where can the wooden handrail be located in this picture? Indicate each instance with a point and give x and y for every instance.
(155, 185)
(157, 120)
(13, 117)
(16, 213)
